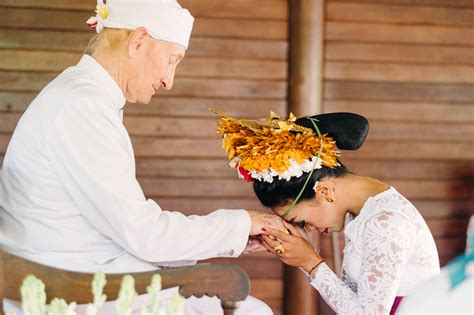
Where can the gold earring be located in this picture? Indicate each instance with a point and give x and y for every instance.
(330, 199)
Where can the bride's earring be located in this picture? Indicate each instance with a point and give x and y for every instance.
(330, 199)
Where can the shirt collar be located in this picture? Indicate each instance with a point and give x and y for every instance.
(105, 81)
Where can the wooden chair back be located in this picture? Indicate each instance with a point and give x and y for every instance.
(229, 283)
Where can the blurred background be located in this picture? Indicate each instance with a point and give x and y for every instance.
(407, 65)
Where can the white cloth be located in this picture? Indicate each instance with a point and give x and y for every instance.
(442, 295)
(70, 195)
(193, 306)
(389, 249)
(164, 19)
(436, 296)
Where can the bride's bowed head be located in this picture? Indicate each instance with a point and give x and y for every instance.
(294, 163)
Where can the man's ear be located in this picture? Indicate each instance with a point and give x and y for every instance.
(137, 40)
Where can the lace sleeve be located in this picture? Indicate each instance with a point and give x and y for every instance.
(385, 242)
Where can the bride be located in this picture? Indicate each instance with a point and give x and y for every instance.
(296, 171)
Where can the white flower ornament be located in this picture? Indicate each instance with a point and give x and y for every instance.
(102, 12)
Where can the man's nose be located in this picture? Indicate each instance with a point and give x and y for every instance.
(167, 82)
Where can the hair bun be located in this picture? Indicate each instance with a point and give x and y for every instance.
(349, 130)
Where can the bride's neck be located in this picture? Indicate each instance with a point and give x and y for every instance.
(357, 189)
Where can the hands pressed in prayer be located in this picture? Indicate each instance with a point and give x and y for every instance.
(298, 251)
(260, 220)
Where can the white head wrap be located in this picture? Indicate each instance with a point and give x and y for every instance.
(164, 19)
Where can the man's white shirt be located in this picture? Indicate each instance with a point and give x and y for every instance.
(70, 197)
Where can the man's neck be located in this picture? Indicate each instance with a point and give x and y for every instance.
(113, 64)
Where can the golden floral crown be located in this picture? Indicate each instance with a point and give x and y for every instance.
(262, 149)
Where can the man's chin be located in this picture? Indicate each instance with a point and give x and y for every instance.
(135, 100)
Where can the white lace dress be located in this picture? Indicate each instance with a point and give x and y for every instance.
(388, 250)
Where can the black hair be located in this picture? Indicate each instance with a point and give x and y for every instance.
(348, 130)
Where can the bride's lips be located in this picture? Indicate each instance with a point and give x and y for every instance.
(325, 231)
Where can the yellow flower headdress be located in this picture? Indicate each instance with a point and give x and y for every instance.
(265, 148)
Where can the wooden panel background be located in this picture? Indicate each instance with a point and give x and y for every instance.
(408, 65)
(237, 61)
(405, 64)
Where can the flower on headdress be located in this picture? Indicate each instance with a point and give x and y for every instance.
(92, 21)
(102, 12)
(275, 147)
(245, 175)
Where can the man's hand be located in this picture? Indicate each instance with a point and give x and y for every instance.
(262, 219)
(254, 245)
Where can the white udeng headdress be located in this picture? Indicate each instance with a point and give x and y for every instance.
(164, 19)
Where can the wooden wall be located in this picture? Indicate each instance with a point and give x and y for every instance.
(408, 65)
(405, 64)
(237, 61)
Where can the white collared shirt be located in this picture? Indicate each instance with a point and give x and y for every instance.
(70, 197)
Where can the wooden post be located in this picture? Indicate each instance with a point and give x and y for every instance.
(305, 98)
(306, 56)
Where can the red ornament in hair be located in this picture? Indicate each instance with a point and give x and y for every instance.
(245, 174)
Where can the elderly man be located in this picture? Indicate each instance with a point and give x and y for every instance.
(70, 197)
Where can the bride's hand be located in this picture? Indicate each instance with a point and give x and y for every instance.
(297, 251)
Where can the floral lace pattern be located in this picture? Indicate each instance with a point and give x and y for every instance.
(389, 249)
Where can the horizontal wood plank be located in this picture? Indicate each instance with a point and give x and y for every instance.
(408, 169)
(448, 227)
(392, 33)
(233, 188)
(187, 87)
(210, 148)
(67, 41)
(256, 29)
(384, 13)
(176, 147)
(195, 187)
(394, 72)
(206, 128)
(434, 3)
(406, 150)
(199, 107)
(429, 208)
(413, 131)
(169, 106)
(399, 91)
(444, 208)
(400, 53)
(257, 267)
(267, 9)
(406, 111)
(25, 60)
(51, 19)
(381, 169)
(206, 205)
